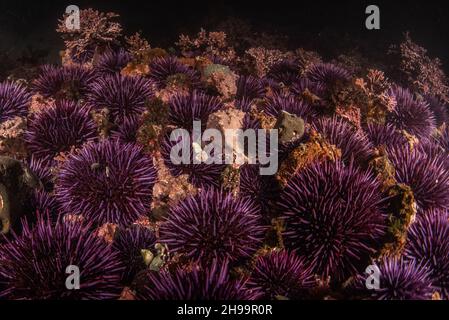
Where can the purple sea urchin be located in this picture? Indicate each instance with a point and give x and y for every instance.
(129, 243)
(333, 217)
(168, 70)
(289, 103)
(353, 143)
(410, 114)
(439, 109)
(213, 283)
(107, 181)
(201, 175)
(14, 101)
(399, 280)
(46, 204)
(33, 265)
(59, 128)
(281, 274)
(328, 74)
(197, 106)
(112, 62)
(248, 89)
(213, 225)
(384, 135)
(124, 96)
(428, 244)
(427, 176)
(305, 88)
(126, 131)
(285, 72)
(42, 170)
(64, 82)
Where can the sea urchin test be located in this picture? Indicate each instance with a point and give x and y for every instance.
(207, 147)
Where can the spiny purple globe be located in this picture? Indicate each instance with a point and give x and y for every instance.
(112, 62)
(384, 135)
(46, 204)
(399, 279)
(43, 171)
(248, 89)
(439, 109)
(411, 114)
(130, 242)
(72, 82)
(196, 106)
(127, 130)
(304, 86)
(201, 175)
(353, 143)
(107, 181)
(125, 97)
(281, 273)
(213, 225)
(289, 103)
(59, 128)
(328, 74)
(285, 72)
(34, 264)
(428, 244)
(168, 70)
(200, 284)
(427, 176)
(333, 217)
(14, 101)
(443, 139)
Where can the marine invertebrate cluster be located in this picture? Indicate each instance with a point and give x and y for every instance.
(88, 159)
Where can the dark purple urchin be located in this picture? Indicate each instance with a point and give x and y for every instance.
(262, 189)
(428, 244)
(59, 128)
(112, 62)
(289, 103)
(213, 225)
(196, 106)
(427, 176)
(285, 72)
(201, 175)
(333, 217)
(384, 135)
(14, 101)
(410, 114)
(70, 82)
(168, 70)
(126, 131)
(281, 274)
(306, 88)
(353, 143)
(129, 243)
(107, 181)
(248, 89)
(439, 109)
(125, 97)
(33, 265)
(399, 279)
(42, 170)
(328, 74)
(44, 203)
(200, 284)
(443, 138)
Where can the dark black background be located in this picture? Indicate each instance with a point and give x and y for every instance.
(329, 27)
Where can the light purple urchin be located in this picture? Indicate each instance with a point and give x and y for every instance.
(125, 97)
(427, 176)
(130, 242)
(399, 279)
(108, 181)
(34, 265)
(112, 62)
(428, 244)
(411, 114)
(439, 109)
(281, 274)
(352, 142)
(168, 70)
(14, 101)
(72, 82)
(289, 103)
(384, 135)
(333, 217)
(213, 225)
(201, 175)
(59, 128)
(199, 284)
(196, 106)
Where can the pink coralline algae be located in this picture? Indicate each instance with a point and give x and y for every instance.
(88, 178)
